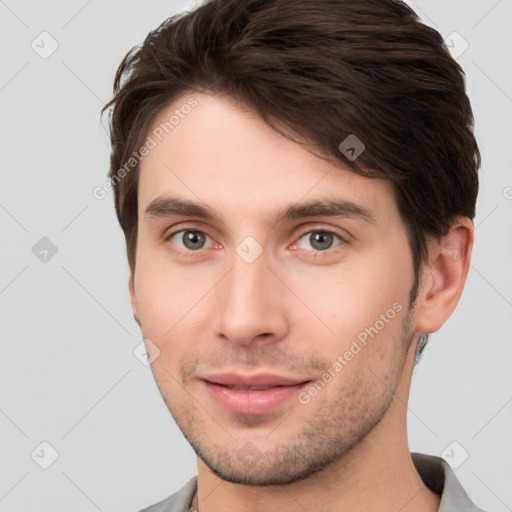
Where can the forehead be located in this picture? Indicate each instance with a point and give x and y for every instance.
(213, 151)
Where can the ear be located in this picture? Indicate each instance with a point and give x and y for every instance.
(444, 278)
(133, 299)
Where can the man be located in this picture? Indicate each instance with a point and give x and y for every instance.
(296, 182)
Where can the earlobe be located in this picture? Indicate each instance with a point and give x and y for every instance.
(133, 299)
(444, 279)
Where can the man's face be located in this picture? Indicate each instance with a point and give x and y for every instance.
(252, 292)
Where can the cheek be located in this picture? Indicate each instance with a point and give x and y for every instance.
(164, 299)
(365, 301)
(171, 299)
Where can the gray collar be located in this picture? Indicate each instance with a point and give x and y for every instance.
(439, 477)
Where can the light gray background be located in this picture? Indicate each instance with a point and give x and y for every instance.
(68, 373)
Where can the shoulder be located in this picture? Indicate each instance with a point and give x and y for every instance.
(180, 501)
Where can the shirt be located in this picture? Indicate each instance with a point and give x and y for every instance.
(435, 472)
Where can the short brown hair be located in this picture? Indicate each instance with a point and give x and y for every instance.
(328, 69)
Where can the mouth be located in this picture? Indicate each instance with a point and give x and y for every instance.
(246, 388)
(256, 394)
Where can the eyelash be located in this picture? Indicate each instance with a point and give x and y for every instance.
(191, 253)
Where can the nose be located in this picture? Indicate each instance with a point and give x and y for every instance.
(250, 304)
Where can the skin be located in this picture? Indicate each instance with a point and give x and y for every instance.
(292, 311)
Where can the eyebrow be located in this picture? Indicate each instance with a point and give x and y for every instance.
(172, 206)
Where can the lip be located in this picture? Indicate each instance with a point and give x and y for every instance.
(252, 394)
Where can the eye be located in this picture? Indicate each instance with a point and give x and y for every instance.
(190, 240)
(320, 240)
